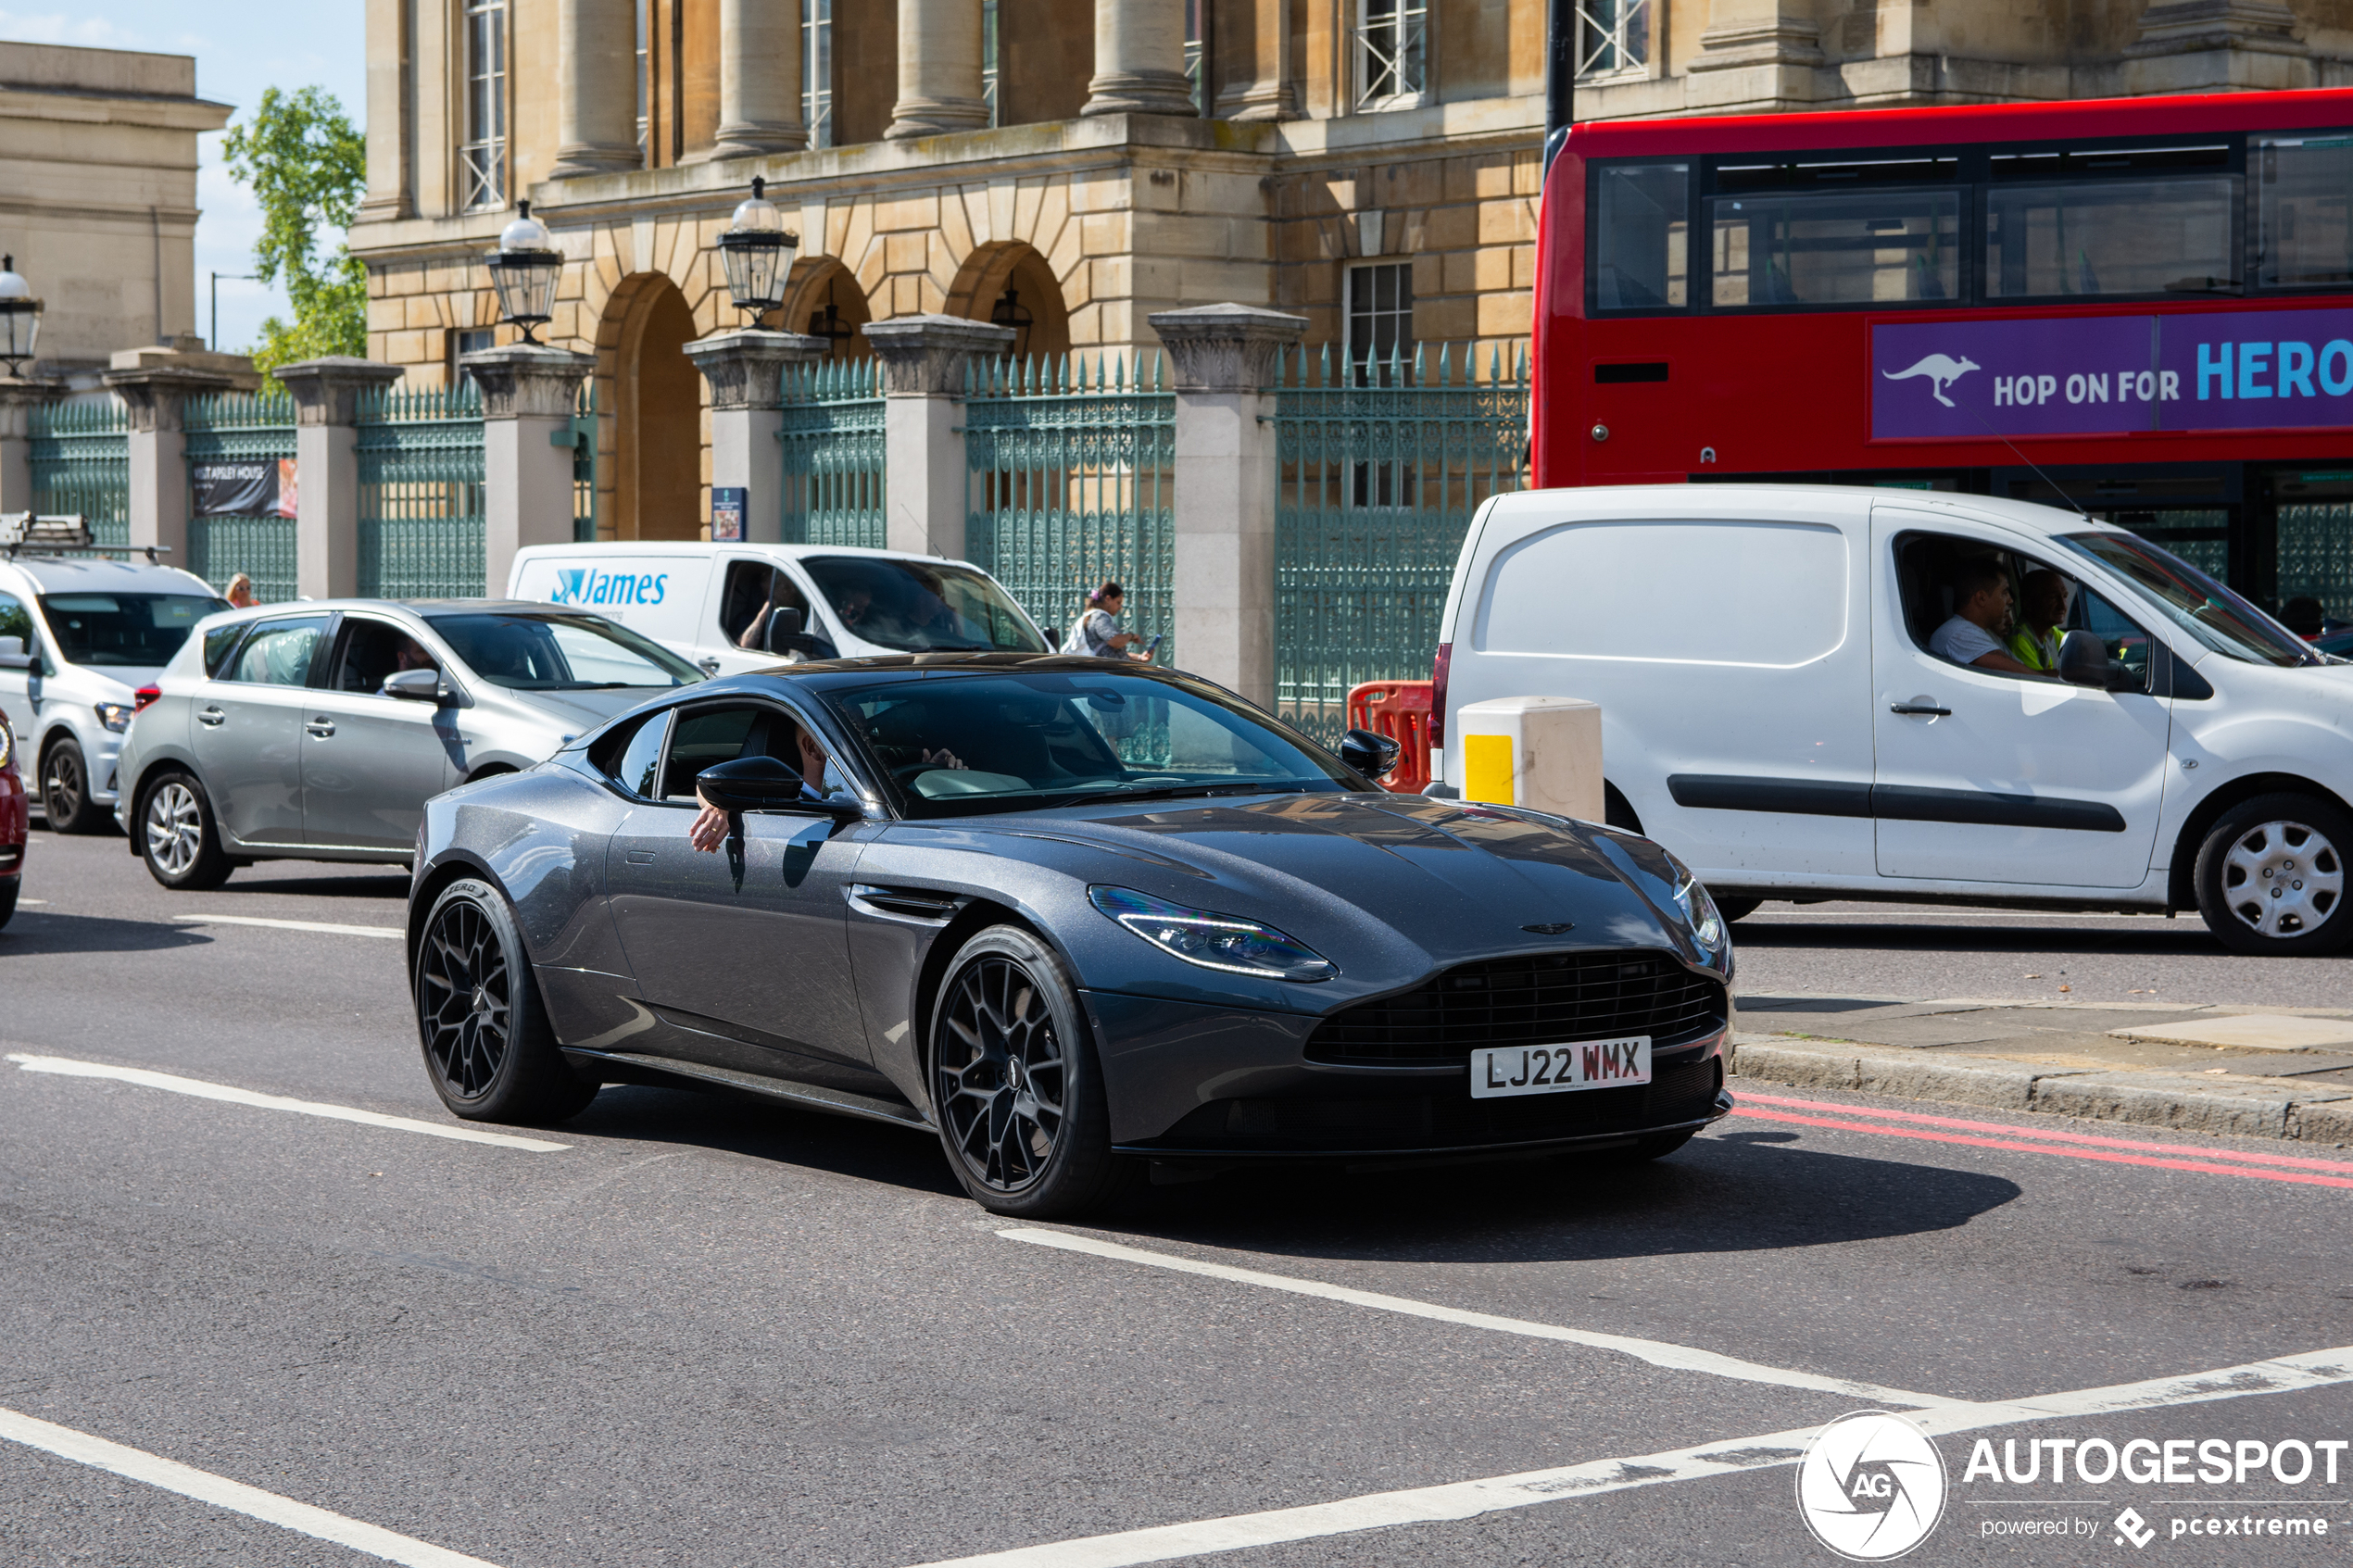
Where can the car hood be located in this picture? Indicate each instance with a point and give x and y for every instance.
(579, 712)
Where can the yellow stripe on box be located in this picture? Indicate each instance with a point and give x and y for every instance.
(1487, 769)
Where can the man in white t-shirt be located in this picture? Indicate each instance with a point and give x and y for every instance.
(1980, 617)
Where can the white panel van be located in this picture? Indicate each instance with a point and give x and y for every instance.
(1774, 709)
(714, 603)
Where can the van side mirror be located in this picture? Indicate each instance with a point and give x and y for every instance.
(418, 686)
(13, 657)
(787, 633)
(1375, 756)
(2084, 662)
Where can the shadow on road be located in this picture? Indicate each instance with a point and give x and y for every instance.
(2181, 939)
(38, 931)
(391, 887)
(760, 1129)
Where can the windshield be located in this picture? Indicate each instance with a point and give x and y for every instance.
(956, 743)
(916, 607)
(128, 631)
(2195, 602)
(560, 653)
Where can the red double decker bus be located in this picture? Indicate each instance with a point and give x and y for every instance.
(2142, 308)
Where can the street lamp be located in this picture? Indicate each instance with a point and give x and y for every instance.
(19, 316)
(757, 252)
(523, 270)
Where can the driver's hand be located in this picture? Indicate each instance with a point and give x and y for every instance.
(710, 829)
(944, 758)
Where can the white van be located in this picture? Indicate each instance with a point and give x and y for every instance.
(706, 601)
(1772, 713)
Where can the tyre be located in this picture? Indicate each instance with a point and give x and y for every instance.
(2270, 876)
(488, 1048)
(1737, 909)
(8, 887)
(178, 838)
(65, 790)
(1018, 1091)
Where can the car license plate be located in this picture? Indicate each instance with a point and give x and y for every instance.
(1552, 1070)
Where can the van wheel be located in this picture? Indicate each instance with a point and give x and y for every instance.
(1737, 909)
(1617, 812)
(65, 790)
(2270, 876)
(178, 838)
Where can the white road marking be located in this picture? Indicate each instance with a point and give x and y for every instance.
(1659, 1353)
(233, 1496)
(393, 931)
(1465, 1499)
(203, 1090)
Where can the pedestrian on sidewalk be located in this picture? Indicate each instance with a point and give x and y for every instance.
(240, 593)
(1098, 634)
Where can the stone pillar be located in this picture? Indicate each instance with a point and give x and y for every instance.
(391, 191)
(1759, 56)
(2218, 46)
(20, 396)
(1253, 46)
(528, 393)
(929, 492)
(159, 451)
(745, 372)
(326, 393)
(759, 79)
(1223, 357)
(1139, 59)
(938, 69)
(597, 69)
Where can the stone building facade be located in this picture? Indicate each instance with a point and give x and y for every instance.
(1072, 166)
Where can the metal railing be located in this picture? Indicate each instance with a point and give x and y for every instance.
(421, 503)
(251, 427)
(583, 465)
(80, 458)
(833, 457)
(1072, 465)
(1380, 470)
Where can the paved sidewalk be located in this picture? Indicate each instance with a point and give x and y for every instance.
(2284, 1072)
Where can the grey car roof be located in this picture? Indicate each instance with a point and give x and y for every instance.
(64, 573)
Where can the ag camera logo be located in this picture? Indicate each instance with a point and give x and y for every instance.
(1872, 1486)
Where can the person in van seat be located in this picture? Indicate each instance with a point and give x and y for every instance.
(2035, 642)
(1980, 617)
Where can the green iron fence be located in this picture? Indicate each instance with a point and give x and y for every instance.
(1074, 469)
(834, 468)
(583, 465)
(1380, 468)
(81, 456)
(251, 427)
(421, 494)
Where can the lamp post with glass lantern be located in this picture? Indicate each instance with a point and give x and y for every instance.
(19, 316)
(524, 270)
(20, 329)
(745, 370)
(757, 252)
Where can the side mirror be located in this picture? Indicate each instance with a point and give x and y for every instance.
(787, 633)
(764, 784)
(1375, 756)
(417, 686)
(12, 654)
(2084, 662)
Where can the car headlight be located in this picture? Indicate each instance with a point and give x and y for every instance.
(1699, 912)
(1213, 941)
(8, 744)
(115, 716)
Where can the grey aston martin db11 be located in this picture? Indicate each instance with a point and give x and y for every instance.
(1076, 914)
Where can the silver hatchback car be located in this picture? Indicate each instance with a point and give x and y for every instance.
(316, 731)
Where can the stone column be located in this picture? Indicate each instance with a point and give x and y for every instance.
(390, 191)
(1223, 357)
(929, 494)
(938, 69)
(528, 395)
(597, 69)
(745, 372)
(759, 79)
(159, 451)
(1757, 56)
(1254, 47)
(326, 393)
(1139, 59)
(20, 397)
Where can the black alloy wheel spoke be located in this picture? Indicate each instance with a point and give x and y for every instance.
(463, 995)
(1002, 1095)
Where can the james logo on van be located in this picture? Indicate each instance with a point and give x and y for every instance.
(586, 585)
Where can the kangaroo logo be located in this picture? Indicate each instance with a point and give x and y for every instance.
(569, 582)
(1941, 370)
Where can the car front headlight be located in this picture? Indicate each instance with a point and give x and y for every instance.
(115, 716)
(1213, 941)
(1699, 912)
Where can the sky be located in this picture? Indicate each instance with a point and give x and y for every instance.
(242, 46)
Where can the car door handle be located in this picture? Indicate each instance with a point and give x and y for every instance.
(641, 857)
(1921, 710)
(321, 726)
(213, 717)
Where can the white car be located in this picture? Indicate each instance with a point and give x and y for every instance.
(79, 636)
(1773, 713)
(708, 601)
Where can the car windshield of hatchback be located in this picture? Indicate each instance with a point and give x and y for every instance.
(1003, 741)
(560, 653)
(124, 631)
(920, 606)
(2195, 602)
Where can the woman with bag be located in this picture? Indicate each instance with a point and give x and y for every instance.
(1098, 634)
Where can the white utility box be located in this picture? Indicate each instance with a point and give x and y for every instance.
(1541, 752)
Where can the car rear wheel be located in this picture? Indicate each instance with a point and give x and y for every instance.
(1016, 1082)
(65, 790)
(8, 887)
(2271, 876)
(178, 838)
(489, 1048)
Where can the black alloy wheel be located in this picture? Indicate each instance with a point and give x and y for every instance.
(487, 1045)
(1021, 1108)
(178, 838)
(65, 790)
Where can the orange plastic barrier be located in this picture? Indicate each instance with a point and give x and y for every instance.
(1399, 710)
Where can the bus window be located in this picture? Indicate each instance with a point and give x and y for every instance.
(2096, 236)
(2304, 214)
(1851, 247)
(1641, 227)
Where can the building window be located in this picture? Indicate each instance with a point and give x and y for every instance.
(1613, 36)
(1393, 52)
(990, 61)
(1379, 306)
(1196, 66)
(644, 83)
(465, 341)
(817, 70)
(484, 152)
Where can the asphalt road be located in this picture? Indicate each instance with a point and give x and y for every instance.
(710, 1331)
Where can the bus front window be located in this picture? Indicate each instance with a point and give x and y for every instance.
(1641, 221)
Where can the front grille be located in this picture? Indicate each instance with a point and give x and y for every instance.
(1537, 1000)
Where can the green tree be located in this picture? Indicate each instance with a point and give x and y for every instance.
(308, 167)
